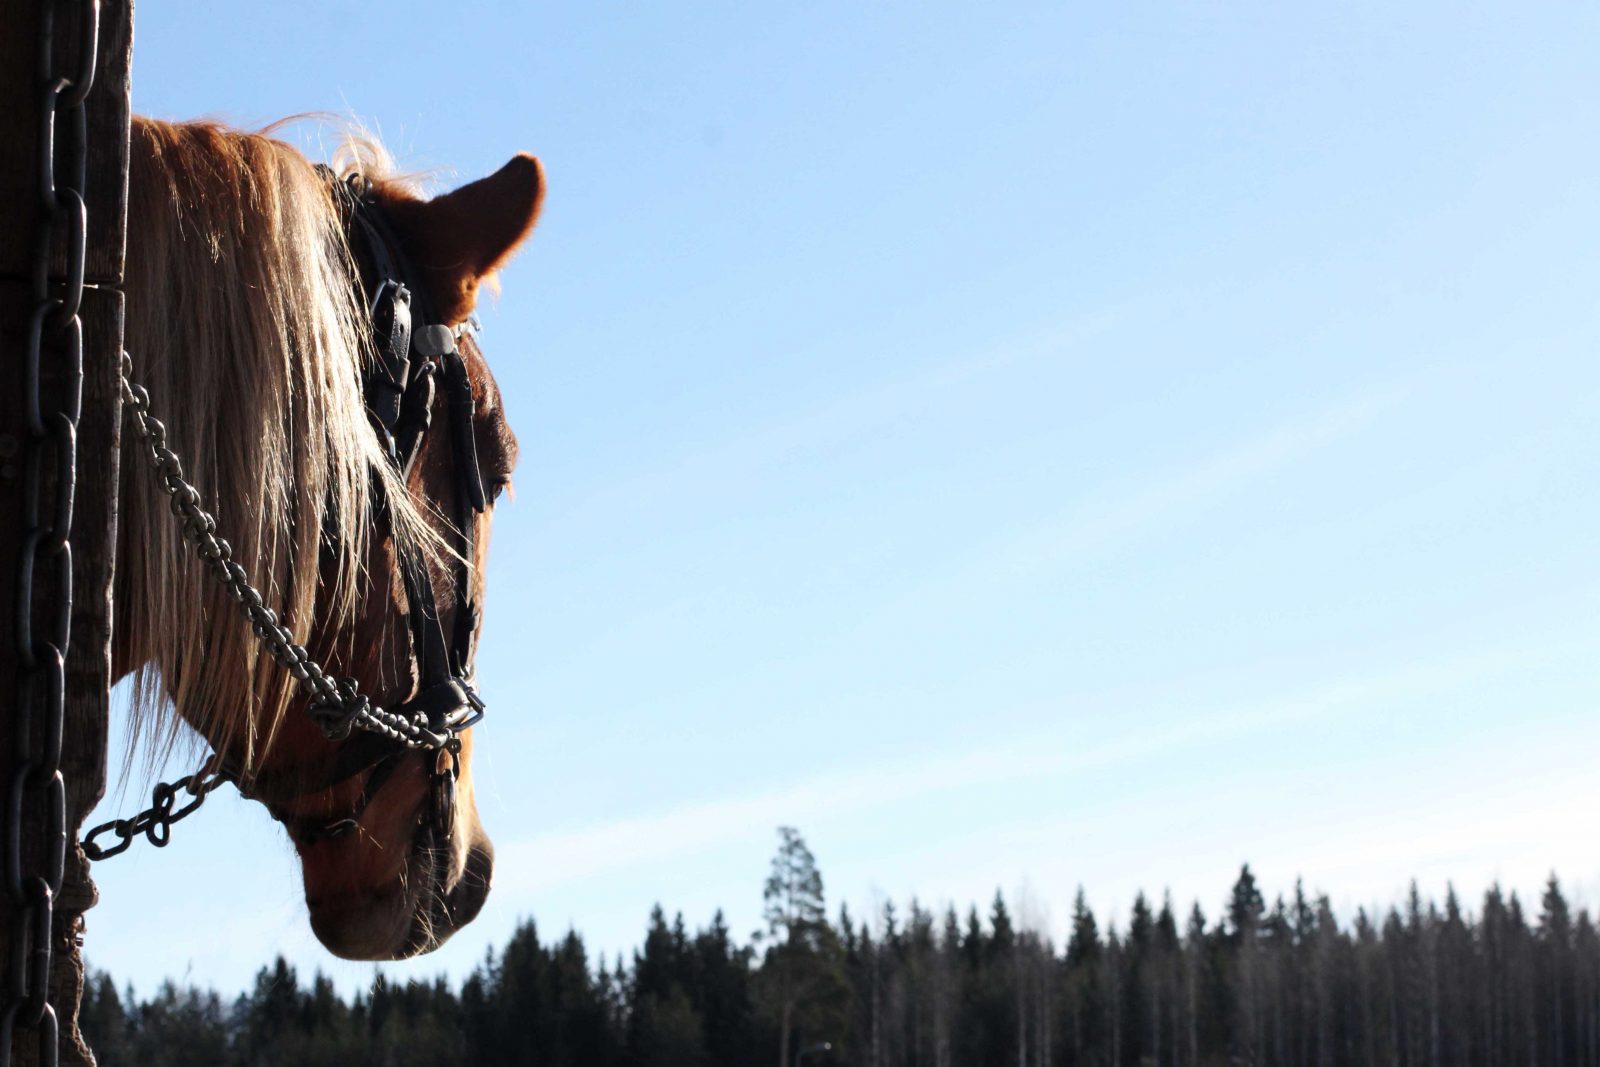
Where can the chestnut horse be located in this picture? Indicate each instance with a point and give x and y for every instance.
(250, 322)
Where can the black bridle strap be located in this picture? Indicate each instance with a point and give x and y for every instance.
(385, 385)
(458, 391)
(416, 416)
(471, 501)
(311, 833)
(428, 641)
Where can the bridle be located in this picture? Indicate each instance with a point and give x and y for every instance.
(413, 351)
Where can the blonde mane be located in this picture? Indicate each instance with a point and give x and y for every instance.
(243, 323)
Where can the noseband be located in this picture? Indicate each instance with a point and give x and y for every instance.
(416, 355)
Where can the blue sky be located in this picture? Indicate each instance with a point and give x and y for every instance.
(1020, 446)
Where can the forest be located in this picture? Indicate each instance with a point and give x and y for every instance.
(1283, 982)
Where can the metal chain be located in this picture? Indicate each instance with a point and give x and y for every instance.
(37, 801)
(155, 822)
(337, 706)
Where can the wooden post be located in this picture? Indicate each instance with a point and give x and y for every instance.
(93, 531)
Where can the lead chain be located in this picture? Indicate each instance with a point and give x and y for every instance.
(155, 822)
(337, 706)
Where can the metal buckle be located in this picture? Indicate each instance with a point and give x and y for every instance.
(469, 716)
(442, 803)
(402, 294)
(464, 719)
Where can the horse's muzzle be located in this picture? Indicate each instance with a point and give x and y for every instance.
(409, 916)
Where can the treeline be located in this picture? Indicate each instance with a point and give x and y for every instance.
(1281, 983)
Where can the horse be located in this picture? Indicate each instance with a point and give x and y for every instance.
(257, 316)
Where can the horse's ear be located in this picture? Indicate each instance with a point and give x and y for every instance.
(460, 237)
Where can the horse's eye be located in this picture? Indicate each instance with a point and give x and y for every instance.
(496, 489)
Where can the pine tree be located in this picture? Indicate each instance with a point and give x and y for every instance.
(1555, 981)
(1166, 983)
(803, 962)
(101, 1014)
(1138, 1010)
(1084, 988)
(1458, 1001)
(664, 1028)
(1246, 910)
(721, 993)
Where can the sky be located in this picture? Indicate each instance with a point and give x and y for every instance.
(1022, 446)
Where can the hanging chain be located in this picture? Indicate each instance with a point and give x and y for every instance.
(37, 802)
(337, 706)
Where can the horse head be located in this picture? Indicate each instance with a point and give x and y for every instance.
(252, 295)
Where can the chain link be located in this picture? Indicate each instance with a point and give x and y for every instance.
(35, 842)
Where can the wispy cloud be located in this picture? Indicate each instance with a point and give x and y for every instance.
(569, 856)
(992, 569)
(745, 451)
(1097, 524)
